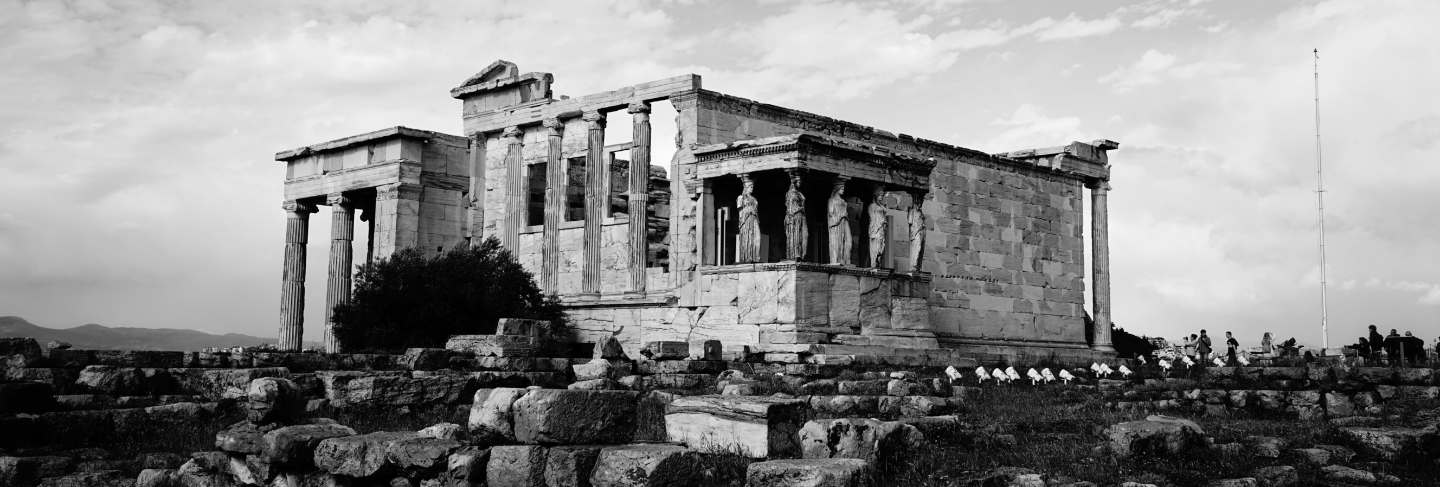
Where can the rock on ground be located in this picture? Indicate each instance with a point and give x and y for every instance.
(273, 400)
(516, 465)
(559, 416)
(492, 418)
(1156, 434)
(1276, 476)
(827, 472)
(357, 456)
(570, 466)
(646, 465)
(295, 445)
(758, 427)
(866, 439)
(1386, 443)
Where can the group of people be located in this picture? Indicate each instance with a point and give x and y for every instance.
(1202, 349)
(1393, 349)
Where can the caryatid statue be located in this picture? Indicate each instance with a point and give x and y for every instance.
(917, 229)
(879, 227)
(796, 235)
(837, 212)
(747, 245)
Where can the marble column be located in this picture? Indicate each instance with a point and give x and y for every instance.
(337, 289)
(597, 201)
(879, 227)
(747, 238)
(292, 288)
(838, 220)
(554, 205)
(797, 236)
(1100, 265)
(514, 189)
(916, 215)
(475, 195)
(639, 201)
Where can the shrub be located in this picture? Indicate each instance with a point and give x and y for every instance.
(409, 300)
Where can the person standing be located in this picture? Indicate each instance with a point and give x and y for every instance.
(1267, 346)
(1414, 348)
(1189, 345)
(1231, 347)
(1377, 343)
(1392, 347)
(1202, 347)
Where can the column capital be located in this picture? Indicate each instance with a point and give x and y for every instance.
(553, 127)
(1099, 185)
(294, 206)
(594, 118)
(639, 107)
(514, 133)
(339, 199)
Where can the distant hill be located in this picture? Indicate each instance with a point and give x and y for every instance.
(97, 337)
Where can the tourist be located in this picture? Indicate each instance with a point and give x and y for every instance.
(1231, 347)
(1363, 350)
(1267, 346)
(1189, 345)
(1414, 348)
(1202, 347)
(1392, 345)
(1377, 343)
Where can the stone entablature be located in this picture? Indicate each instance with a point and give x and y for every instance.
(813, 153)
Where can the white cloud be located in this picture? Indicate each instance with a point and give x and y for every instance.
(1154, 66)
(1070, 27)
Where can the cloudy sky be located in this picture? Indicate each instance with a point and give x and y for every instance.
(138, 187)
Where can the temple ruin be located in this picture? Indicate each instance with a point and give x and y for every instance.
(796, 235)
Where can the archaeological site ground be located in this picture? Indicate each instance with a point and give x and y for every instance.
(753, 296)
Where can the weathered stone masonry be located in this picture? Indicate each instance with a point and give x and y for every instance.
(784, 231)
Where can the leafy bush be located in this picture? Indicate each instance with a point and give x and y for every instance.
(409, 300)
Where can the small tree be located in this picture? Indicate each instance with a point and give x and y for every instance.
(408, 300)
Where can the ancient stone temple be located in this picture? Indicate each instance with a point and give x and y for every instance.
(787, 232)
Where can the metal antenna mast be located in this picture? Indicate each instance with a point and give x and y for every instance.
(1320, 207)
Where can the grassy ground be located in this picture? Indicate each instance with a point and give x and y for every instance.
(1056, 433)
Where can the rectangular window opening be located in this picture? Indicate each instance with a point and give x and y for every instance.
(575, 189)
(535, 194)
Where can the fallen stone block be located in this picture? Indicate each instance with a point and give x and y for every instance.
(20, 351)
(357, 456)
(492, 417)
(1385, 443)
(443, 431)
(112, 380)
(539, 329)
(468, 464)
(1155, 435)
(1276, 476)
(243, 438)
(516, 465)
(570, 466)
(423, 453)
(425, 358)
(294, 446)
(651, 367)
(140, 358)
(666, 350)
(758, 427)
(494, 345)
(827, 472)
(555, 416)
(399, 390)
(274, 400)
(866, 439)
(1346, 475)
(646, 465)
(609, 348)
(107, 478)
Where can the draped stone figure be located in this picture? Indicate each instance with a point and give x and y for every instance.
(747, 245)
(917, 229)
(796, 235)
(837, 218)
(879, 227)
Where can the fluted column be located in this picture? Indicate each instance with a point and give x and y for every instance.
(514, 189)
(337, 288)
(597, 198)
(639, 202)
(554, 205)
(292, 288)
(475, 195)
(1100, 264)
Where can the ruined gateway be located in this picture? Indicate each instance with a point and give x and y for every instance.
(793, 234)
